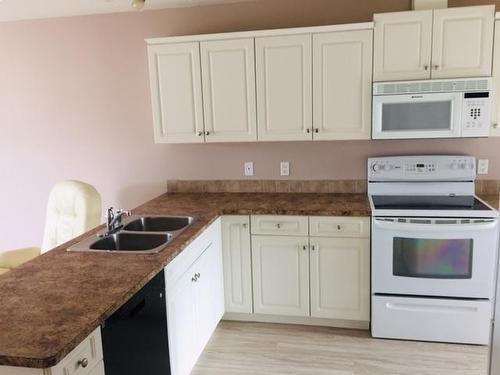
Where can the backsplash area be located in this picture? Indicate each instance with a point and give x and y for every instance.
(292, 186)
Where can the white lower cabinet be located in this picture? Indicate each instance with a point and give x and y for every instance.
(85, 359)
(195, 299)
(237, 263)
(281, 275)
(340, 278)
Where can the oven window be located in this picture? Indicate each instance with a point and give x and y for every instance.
(416, 116)
(432, 258)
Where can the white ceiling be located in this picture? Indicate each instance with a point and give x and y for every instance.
(12, 10)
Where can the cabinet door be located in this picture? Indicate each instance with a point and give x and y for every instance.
(462, 42)
(182, 326)
(280, 275)
(284, 87)
(228, 73)
(402, 45)
(342, 85)
(175, 80)
(340, 274)
(495, 114)
(237, 263)
(209, 293)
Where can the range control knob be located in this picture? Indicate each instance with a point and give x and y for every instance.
(378, 167)
(454, 165)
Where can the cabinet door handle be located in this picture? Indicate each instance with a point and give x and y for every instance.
(83, 362)
(313, 247)
(199, 134)
(207, 133)
(426, 67)
(308, 130)
(198, 275)
(304, 247)
(244, 225)
(495, 126)
(194, 279)
(316, 130)
(436, 67)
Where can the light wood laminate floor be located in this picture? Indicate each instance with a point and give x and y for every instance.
(261, 348)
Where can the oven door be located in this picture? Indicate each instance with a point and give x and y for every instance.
(434, 257)
(417, 116)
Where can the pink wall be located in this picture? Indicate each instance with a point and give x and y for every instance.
(74, 103)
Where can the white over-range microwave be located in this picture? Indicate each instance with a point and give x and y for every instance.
(458, 108)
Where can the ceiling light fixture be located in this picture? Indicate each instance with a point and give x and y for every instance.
(138, 4)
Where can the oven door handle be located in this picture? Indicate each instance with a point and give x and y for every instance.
(421, 307)
(420, 227)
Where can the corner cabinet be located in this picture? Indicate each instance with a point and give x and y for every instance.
(237, 258)
(176, 95)
(441, 43)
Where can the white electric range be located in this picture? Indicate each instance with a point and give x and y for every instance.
(434, 250)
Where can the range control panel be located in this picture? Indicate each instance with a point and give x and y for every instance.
(423, 168)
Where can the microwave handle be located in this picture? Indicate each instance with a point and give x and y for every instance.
(416, 227)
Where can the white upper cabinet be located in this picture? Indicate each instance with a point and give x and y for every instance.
(441, 43)
(402, 45)
(228, 74)
(342, 82)
(176, 92)
(495, 114)
(284, 87)
(462, 42)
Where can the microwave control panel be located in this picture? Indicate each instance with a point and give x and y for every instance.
(476, 114)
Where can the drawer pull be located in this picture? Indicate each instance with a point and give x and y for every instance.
(339, 227)
(278, 225)
(83, 362)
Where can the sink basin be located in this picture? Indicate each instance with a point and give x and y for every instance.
(132, 242)
(143, 235)
(159, 224)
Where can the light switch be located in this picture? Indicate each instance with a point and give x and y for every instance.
(249, 168)
(285, 168)
(483, 166)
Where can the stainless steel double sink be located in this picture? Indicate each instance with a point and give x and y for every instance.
(139, 234)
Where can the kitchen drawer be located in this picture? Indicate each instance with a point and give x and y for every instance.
(432, 319)
(279, 225)
(339, 226)
(84, 358)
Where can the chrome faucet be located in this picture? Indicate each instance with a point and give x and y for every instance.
(114, 220)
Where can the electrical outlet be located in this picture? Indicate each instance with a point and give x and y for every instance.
(285, 168)
(249, 168)
(483, 166)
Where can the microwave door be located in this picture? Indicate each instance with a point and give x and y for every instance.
(417, 116)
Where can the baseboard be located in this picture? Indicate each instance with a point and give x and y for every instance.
(302, 320)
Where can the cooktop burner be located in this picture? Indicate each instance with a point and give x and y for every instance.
(428, 202)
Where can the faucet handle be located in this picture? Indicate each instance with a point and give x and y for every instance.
(124, 212)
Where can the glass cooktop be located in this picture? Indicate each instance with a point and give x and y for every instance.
(428, 202)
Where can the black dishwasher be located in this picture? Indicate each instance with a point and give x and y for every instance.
(135, 338)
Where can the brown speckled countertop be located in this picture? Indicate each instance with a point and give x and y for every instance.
(50, 304)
